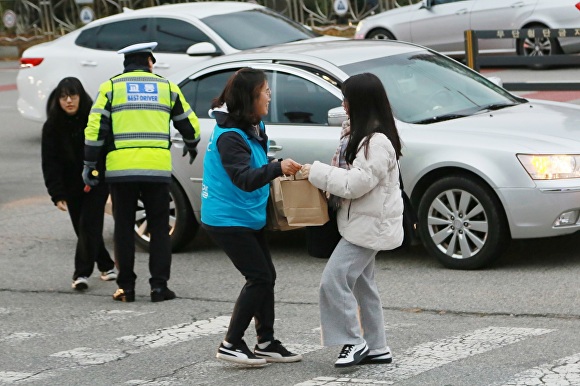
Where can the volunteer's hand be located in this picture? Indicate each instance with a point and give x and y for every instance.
(90, 174)
(290, 167)
(61, 205)
(305, 170)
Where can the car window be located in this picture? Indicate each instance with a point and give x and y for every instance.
(298, 100)
(177, 36)
(294, 99)
(200, 92)
(114, 36)
(256, 28)
(423, 85)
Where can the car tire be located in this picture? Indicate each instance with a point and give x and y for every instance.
(539, 46)
(182, 224)
(380, 34)
(462, 223)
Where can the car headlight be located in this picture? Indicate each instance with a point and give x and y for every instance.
(551, 166)
(358, 26)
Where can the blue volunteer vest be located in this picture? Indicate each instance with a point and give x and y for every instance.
(222, 203)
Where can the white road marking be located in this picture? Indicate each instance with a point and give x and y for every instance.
(13, 376)
(565, 371)
(164, 382)
(18, 336)
(330, 381)
(428, 356)
(16, 377)
(179, 333)
(84, 356)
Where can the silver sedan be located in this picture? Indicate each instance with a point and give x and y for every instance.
(481, 165)
(440, 24)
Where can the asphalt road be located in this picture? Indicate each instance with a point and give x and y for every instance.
(515, 323)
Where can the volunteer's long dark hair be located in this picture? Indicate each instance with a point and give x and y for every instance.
(370, 112)
(68, 86)
(240, 93)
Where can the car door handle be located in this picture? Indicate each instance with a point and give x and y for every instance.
(177, 140)
(462, 11)
(88, 63)
(275, 148)
(161, 65)
(518, 4)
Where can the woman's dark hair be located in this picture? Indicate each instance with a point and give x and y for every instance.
(370, 112)
(240, 93)
(68, 86)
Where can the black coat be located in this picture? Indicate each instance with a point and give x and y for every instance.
(63, 143)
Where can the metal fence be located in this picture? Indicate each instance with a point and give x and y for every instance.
(48, 19)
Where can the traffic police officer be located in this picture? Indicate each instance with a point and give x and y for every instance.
(130, 119)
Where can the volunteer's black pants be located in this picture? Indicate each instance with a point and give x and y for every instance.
(155, 198)
(86, 211)
(249, 252)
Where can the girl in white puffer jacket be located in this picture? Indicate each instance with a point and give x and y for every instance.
(369, 220)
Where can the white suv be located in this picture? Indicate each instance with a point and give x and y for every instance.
(187, 33)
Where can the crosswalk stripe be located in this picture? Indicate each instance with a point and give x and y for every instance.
(565, 371)
(178, 333)
(18, 336)
(428, 356)
(85, 356)
(16, 377)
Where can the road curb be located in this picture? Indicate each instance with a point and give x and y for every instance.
(9, 53)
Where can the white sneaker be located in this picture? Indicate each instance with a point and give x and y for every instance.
(351, 354)
(111, 274)
(80, 284)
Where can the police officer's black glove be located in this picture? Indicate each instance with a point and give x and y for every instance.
(191, 148)
(90, 174)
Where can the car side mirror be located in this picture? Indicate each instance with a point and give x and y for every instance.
(203, 49)
(336, 116)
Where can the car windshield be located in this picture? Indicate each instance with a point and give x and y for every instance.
(427, 88)
(257, 28)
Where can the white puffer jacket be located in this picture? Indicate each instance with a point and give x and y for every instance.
(372, 214)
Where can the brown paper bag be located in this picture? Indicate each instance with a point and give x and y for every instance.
(275, 211)
(304, 204)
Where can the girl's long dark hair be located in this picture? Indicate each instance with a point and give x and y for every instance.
(67, 86)
(240, 93)
(370, 112)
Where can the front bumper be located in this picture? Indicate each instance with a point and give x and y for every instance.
(533, 212)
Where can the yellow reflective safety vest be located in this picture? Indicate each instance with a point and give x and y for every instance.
(131, 118)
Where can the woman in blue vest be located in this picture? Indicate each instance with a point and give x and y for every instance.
(236, 177)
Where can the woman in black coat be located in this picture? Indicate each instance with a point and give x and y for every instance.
(62, 166)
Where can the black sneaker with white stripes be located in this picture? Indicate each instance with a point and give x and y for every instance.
(370, 359)
(240, 354)
(275, 352)
(351, 354)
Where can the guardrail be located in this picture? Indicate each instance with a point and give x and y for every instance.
(475, 61)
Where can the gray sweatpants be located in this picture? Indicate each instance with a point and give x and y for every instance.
(350, 306)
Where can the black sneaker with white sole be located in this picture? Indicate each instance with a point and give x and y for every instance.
(275, 352)
(351, 354)
(80, 283)
(239, 354)
(376, 359)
